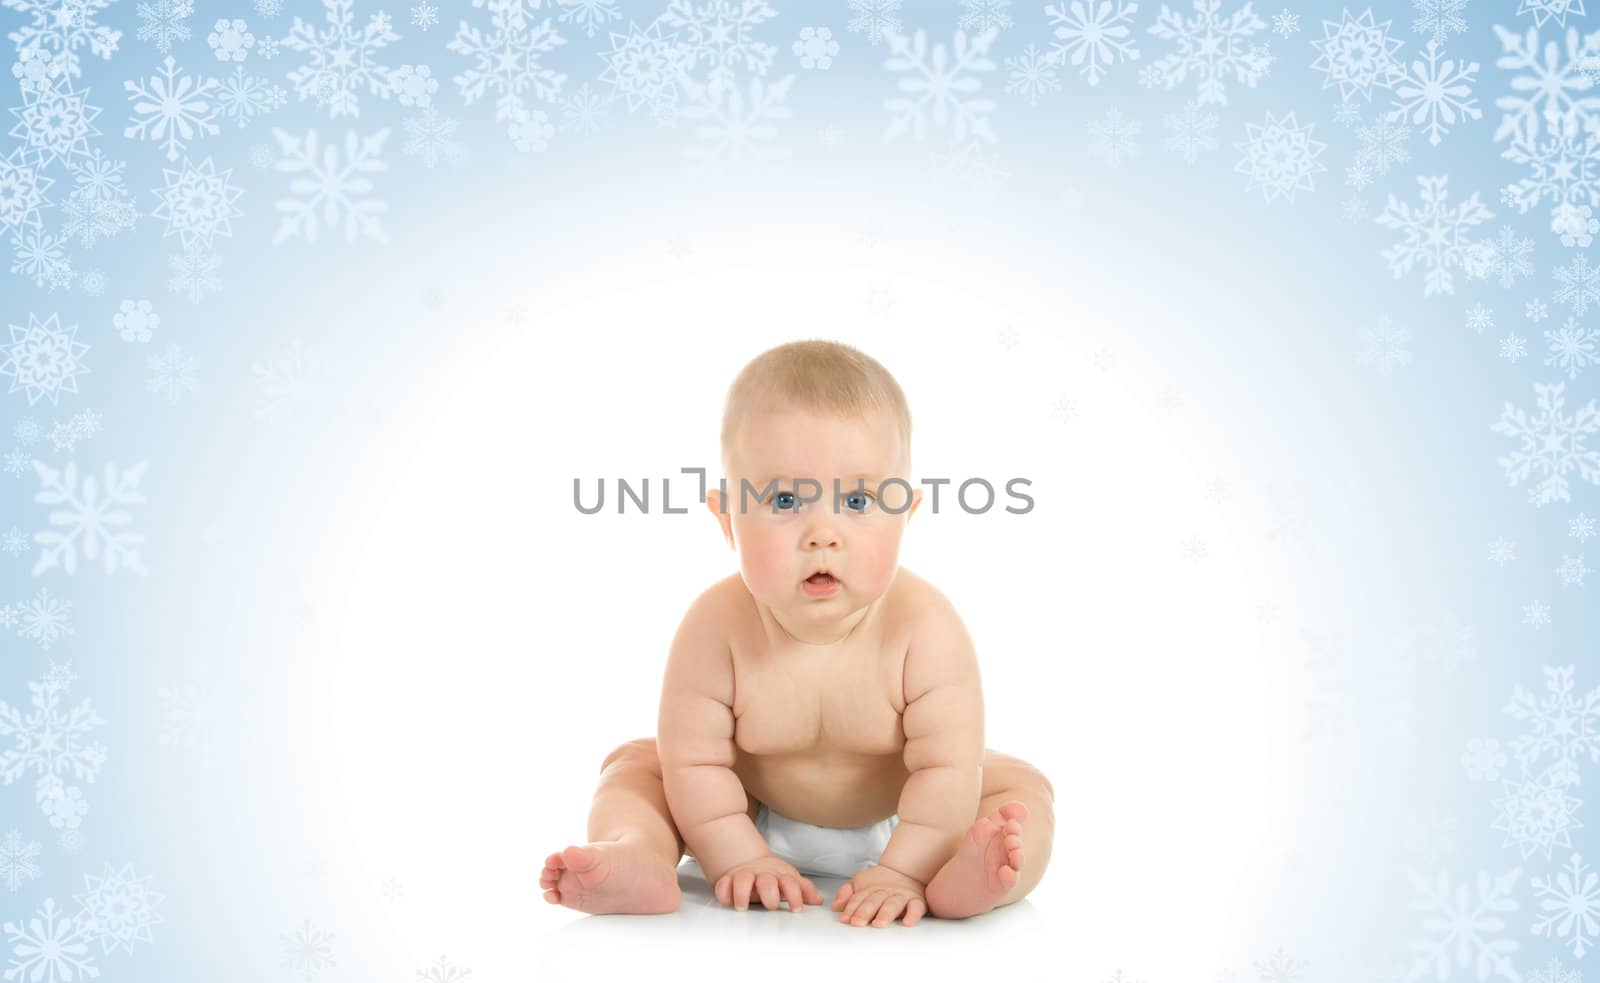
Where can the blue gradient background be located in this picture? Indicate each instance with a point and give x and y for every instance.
(580, 310)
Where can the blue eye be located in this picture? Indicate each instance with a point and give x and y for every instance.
(780, 499)
(851, 501)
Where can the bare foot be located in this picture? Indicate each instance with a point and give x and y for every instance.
(617, 876)
(984, 868)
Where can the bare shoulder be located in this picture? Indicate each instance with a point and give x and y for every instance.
(919, 608)
(939, 648)
(720, 606)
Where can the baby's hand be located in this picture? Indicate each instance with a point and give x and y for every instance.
(767, 875)
(882, 891)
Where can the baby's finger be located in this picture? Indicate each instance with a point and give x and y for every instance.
(741, 889)
(890, 911)
(842, 895)
(856, 901)
(869, 907)
(914, 912)
(812, 895)
(767, 887)
(790, 885)
(722, 890)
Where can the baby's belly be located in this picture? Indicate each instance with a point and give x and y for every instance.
(825, 788)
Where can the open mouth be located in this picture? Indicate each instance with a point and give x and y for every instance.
(822, 579)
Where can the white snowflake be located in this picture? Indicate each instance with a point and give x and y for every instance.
(939, 86)
(443, 972)
(1438, 18)
(1513, 348)
(1435, 234)
(1581, 527)
(61, 27)
(341, 58)
(334, 187)
(172, 107)
(736, 129)
(1572, 348)
(1383, 144)
(646, 66)
(171, 373)
(1580, 285)
(1483, 759)
(1213, 47)
(1191, 131)
(87, 518)
(1556, 90)
(1543, 10)
(51, 947)
(1384, 346)
(1464, 927)
(1508, 256)
(875, 18)
(1536, 815)
(44, 619)
(591, 15)
(1562, 726)
(1280, 156)
(1552, 444)
(1357, 54)
(44, 359)
(506, 60)
(717, 35)
(1285, 23)
(120, 908)
(17, 860)
(1479, 316)
(1032, 74)
(1093, 34)
(430, 136)
(1114, 138)
(308, 950)
(1571, 900)
(1536, 614)
(1435, 92)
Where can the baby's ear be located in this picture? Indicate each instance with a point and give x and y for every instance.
(714, 504)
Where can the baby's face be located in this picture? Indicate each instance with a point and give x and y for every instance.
(780, 547)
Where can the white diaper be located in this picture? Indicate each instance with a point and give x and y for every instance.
(823, 851)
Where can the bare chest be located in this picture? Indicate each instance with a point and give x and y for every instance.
(846, 702)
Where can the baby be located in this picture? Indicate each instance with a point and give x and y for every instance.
(821, 711)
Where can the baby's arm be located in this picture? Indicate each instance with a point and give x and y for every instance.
(694, 741)
(943, 724)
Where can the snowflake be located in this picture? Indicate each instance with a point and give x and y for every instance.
(1347, 114)
(1553, 973)
(1358, 54)
(1436, 93)
(1561, 725)
(1479, 316)
(1358, 175)
(16, 860)
(231, 40)
(1032, 74)
(1436, 234)
(89, 518)
(172, 108)
(1552, 444)
(424, 15)
(444, 973)
(1549, 86)
(341, 58)
(718, 34)
(508, 59)
(120, 908)
(40, 256)
(1508, 256)
(1279, 156)
(645, 66)
(1212, 46)
(1191, 132)
(816, 48)
(1483, 759)
(1384, 346)
(1543, 10)
(1114, 138)
(170, 374)
(1536, 815)
(51, 947)
(1353, 210)
(1580, 285)
(589, 14)
(54, 122)
(1572, 348)
(1383, 143)
(244, 97)
(333, 187)
(45, 619)
(14, 541)
(308, 950)
(1513, 348)
(44, 359)
(50, 742)
(735, 129)
(875, 18)
(1095, 31)
(583, 112)
(1572, 899)
(940, 83)
(430, 136)
(1285, 23)
(1437, 18)
(62, 27)
(283, 381)
(194, 271)
(1580, 528)
(1535, 310)
(197, 203)
(1462, 926)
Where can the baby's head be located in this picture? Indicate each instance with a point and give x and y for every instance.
(799, 418)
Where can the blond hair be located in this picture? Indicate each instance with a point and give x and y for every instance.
(819, 376)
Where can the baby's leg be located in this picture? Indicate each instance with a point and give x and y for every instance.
(630, 864)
